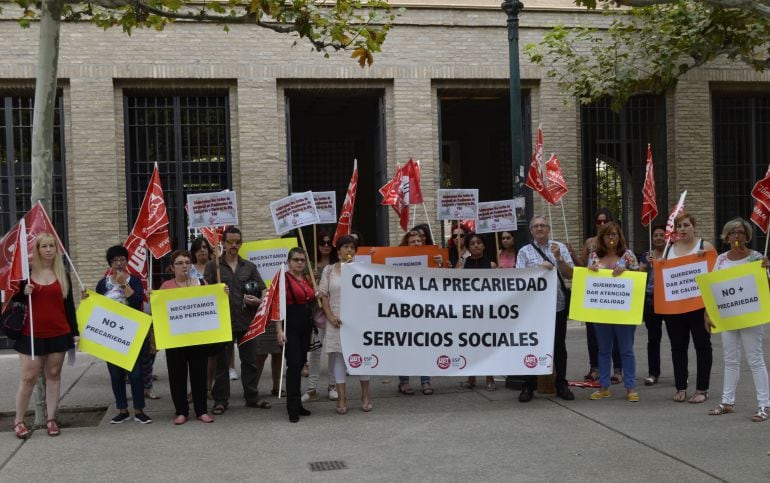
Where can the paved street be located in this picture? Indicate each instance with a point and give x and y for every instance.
(451, 435)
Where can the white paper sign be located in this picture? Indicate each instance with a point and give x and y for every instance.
(212, 209)
(679, 282)
(459, 204)
(192, 315)
(110, 330)
(737, 296)
(605, 293)
(326, 205)
(268, 261)
(496, 216)
(294, 211)
(423, 321)
(413, 261)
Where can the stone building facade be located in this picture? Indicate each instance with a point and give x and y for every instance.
(440, 55)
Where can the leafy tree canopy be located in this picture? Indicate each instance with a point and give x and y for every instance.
(646, 48)
(357, 25)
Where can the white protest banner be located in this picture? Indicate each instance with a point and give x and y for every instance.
(268, 255)
(423, 321)
(458, 204)
(294, 211)
(212, 209)
(326, 205)
(496, 216)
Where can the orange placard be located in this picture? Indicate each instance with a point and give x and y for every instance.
(676, 290)
(418, 256)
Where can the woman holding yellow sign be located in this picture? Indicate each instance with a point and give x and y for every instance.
(737, 233)
(681, 326)
(181, 360)
(611, 253)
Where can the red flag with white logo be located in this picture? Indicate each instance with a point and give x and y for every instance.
(671, 235)
(412, 172)
(14, 261)
(396, 193)
(150, 229)
(344, 225)
(649, 202)
(535, 175)
(213, 235)
(272, 307)
(760, 214)
(557, 185)
(37, 222)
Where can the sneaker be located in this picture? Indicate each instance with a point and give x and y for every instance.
(311, 395)
(119, 418)
(142, 418)
(333, 394)
(233, 375)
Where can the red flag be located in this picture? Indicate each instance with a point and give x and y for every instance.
(346, 215)
(213, 235)
(150, 229)
(557, 186)
(678, 209)
(38, 222)
(649, 202)
(14, 261)
(535, 175)
(389, 192)
(761, 191)
(396, 193)
(272, 307)
(412, 172)
(760, 214)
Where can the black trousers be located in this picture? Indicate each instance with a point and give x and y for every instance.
(180, 362)
(679, 328)
(298, 330)
(654, 324)
(559, 352)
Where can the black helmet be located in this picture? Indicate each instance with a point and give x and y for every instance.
(251, 288)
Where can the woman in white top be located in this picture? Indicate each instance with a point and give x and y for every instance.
(737, 233)
(681, 326)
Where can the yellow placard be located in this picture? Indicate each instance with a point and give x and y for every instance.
(268, 255)
(600, 297)
(191, 316)
(736, 297)
(111, 331)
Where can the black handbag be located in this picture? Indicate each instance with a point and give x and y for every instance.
(13, 320)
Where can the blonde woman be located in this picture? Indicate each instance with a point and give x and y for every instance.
(52, 312)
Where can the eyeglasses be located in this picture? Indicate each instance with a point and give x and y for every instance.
(325, 243)
(182, 262)
(233, 242)
(298, 260)
(600, 222)
(119, 260)
(461, 235)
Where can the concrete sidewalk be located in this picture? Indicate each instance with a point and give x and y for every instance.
(452, 435)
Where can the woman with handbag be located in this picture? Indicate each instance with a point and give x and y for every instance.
(52, 313)
(300, 297)
(192, 359)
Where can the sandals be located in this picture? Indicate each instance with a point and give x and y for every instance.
(616, 378)
(591, 376)
(698, 397)
(427, 389)
(491, 387)
(260, 404)
(21, 430)
(760, 415)
(218, 409)
(53, 428)
(274, 392)
(721, 409)
(680, 396)
(366, 406)
(405, 389)
(650, 380)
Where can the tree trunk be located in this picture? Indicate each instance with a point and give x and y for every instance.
(45, 100)
(42, 133)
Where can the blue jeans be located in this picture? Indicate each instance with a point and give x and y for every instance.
(405, 380)
(624, 335)
(118, 379)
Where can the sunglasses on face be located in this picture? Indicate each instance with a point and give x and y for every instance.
(298, 260)
(600, 222)
(233, 242)
(325, 243)
(461, 235)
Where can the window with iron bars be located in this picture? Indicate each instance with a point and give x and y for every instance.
(614, 146)
(189, 137)
(741, 129)
(16, 162)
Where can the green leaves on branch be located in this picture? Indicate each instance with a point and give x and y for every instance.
(360, 26)
(648, 49)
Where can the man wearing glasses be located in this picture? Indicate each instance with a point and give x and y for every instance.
(547, 253)
(239, 275)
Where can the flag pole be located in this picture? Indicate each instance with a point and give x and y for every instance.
(281, 280)
(315, 249)
(31, 324)
(564, 217)
(72, 269)
(649, 225)
(312, 275)
(427, 219)
(497, 249)
(767, 240)
(550, 220)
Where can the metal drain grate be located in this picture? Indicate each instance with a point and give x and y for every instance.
(327, 465)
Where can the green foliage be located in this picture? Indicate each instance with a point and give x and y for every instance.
(360, 26)
(648, 49)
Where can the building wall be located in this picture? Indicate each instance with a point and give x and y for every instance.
(428, 48)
